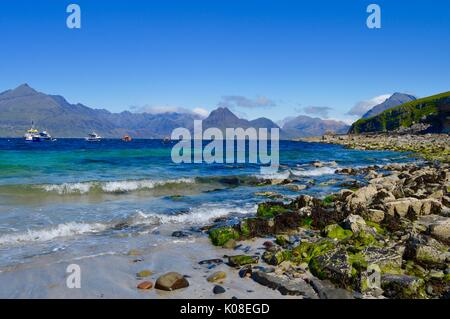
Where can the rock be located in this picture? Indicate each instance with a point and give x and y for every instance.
(361, 198)
(437, 226)
(276, 258)
(344, 193)
(280, 181)
(402, 286)
(347, 170)
(381, 197)
(334, 265)
(180, 233)
(241, 260)
(296, 187)
(387, 259)
(402, 206)
(144, 273)
(171, 281)
(218, 276)
(271, 209)
(426, 251)
(272, 195)
(216, 261)
(218, 290)
(245, 271)
(326, 290)
(282, 240)
(437, 195)
(145, 285)
(430, 206)
(297, 287)
(219, 236)
(374, 215)
(230, 244)
(355, 223)
(336, 232)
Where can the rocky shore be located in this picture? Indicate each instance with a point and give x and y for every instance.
(430, 146)
(387, 239)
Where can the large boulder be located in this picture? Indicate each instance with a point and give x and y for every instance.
(437, 226)
(402, 286)
(426, 251)
(387, 259)
(285, 286)
(335, 266)
(402, 207)
(361, 198)
(171, 281)
(430, 206)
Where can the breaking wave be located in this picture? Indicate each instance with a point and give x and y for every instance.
(314, 172)
(112, 186)
(62, 230)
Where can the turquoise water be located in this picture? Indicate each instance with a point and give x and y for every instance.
(88, 198)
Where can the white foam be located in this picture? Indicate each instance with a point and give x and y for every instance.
(69, 188)
(46, 234)
(314, 172)
(111, 186)
(279, 175)
(200, 215)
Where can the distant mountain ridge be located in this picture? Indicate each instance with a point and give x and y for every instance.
(22, 105)
(305, 126)
(430, 114)
(393, 101)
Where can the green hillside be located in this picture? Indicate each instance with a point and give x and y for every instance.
(433, 110)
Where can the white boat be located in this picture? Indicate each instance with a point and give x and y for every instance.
(33, 135)
(93, 137)
(42, 137)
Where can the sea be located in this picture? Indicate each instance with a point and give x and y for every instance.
(72, 199)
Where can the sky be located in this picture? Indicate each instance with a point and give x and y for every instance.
(260, 58)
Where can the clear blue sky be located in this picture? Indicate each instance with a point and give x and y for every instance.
(189, 54)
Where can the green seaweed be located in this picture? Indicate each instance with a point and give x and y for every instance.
(219, 236)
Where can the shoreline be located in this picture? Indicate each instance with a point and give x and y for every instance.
(432, 147)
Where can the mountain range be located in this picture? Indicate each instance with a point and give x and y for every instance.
(23, 105)
(393, 101)
(426, 115)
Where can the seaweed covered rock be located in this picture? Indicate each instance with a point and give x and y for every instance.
(241, 260)
(334, 265)
(221, 235)
(426, 251)
(336, 232)
(306, 250)
(402, 286)
(271, 209)
(276, 258)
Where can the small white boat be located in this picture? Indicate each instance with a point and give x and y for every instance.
(93, 137)
(42, 137)
(33, 135)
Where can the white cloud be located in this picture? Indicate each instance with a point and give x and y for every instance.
(362, 107)
(162, 109)
(200, 111)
